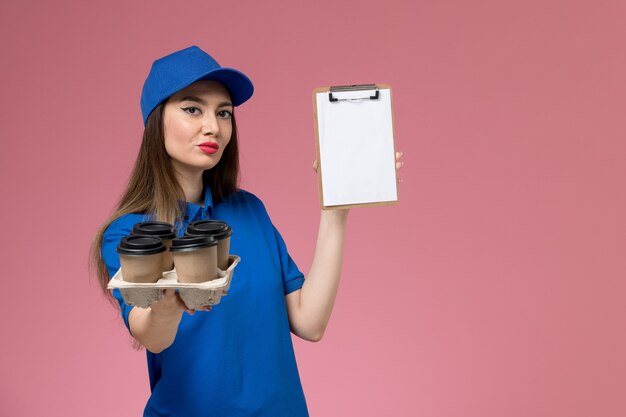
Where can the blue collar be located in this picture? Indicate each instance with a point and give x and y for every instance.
(195, 211)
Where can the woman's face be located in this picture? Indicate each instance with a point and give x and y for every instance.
(198, 125)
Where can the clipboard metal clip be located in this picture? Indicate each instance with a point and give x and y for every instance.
(355, 87)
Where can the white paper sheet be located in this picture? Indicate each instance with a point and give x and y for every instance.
(356, 148)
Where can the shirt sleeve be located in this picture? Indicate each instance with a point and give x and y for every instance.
(120, 228)
(293, 279)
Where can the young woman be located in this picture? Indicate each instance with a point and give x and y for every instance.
(238, 359)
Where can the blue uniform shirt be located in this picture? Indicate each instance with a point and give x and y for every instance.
(237, 359)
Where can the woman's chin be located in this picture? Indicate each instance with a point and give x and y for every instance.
(193, 169)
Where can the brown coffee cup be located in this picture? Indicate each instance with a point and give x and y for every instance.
(141, 258)
(195, 258)
(165, 231)
(220, 231)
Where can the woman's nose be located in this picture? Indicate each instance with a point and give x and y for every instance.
(210, 126)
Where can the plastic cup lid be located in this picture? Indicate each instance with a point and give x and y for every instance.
(163, 230)
(140, 245)
(217, 228)
(190, 243)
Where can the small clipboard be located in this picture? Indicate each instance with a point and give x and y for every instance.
(355, 146)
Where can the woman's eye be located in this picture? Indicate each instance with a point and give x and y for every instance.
(191, 110)
(225, 114)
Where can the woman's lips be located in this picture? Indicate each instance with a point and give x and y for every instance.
(209, 147)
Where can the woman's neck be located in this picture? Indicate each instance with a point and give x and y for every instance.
(192, 185)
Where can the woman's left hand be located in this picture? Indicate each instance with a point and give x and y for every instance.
(399, 164)
(343, 212)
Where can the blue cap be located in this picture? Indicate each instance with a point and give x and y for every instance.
(176, 71)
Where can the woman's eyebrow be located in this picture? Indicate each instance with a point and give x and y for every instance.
(199, 100)
(193, 98)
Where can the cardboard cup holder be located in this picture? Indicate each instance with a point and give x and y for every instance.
(193, 295)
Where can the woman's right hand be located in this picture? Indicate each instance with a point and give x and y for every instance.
(171, 304)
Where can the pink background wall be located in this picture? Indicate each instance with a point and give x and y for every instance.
(495, 288)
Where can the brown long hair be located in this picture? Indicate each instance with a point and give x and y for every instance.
(153, 189)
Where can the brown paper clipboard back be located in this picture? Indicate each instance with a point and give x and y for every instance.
(330, 90)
